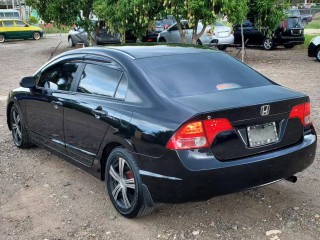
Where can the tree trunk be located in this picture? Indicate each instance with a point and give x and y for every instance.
(123, 37)
(243, 47)
(182, 32)
(195, 35)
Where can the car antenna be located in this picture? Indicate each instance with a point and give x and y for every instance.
(54, 51)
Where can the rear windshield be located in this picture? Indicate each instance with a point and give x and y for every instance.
(294, 23)
(193, 74)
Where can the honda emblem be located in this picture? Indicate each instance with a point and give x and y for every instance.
(265, 110)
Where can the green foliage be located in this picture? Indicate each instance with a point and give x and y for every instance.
(122, 15)
(236, 10)
(33, 20)
(193, 10)
(315, 24)
(267, 14)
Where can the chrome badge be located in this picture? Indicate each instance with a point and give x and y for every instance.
(265, 110)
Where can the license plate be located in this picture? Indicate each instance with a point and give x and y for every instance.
(263, 134)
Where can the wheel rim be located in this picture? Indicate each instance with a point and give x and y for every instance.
(16, 127)
(122, 183)
(267, 43)
(318, 55)
(36, 36)
(1, 38)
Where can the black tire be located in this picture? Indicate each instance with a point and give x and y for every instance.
(70, 42)
(20, 134)
(36, 36)
(162, 39)
(124, 186)
(199, 43)
(222, 47)
(2, 38)
(318, 54)
(268, 44)
(288, 46)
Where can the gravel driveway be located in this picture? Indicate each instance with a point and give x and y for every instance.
(45, 197)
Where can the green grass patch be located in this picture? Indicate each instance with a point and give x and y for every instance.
(308, 38)
(56, 30)
(315, 24)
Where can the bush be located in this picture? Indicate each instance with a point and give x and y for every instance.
(33, 20)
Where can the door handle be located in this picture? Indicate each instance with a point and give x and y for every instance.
(56, 104)
(98, 112)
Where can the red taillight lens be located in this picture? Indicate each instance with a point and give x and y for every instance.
(198, 134)
(284, 25)
(302, 111)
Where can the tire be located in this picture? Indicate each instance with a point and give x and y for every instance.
(318, 54)
(268, 44)
(198, 42)
(20, 134)
(2, 38)
(36, 36)
(124, 186)
(70, 42)
(288, 46)
(222, 47)
(162, 39)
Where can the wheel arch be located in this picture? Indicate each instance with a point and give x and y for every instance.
(9, 106)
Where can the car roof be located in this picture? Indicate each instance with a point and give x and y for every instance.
(138, 52)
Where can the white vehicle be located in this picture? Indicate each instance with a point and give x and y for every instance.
(215, 32)
(9, 14)
(314, 48)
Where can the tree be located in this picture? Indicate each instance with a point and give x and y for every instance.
(194, 11)
(237, 11)
(65, 12)
(124, 15)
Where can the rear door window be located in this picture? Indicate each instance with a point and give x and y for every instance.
(9, 23)
(200, 73)
(122, 88)
(99, 80)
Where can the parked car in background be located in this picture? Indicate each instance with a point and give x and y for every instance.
(17, 29)
(314, 48)
(101, 36)
(217, 34)
(164, 124)
(160, 25)
(304, 15)
(9, 14)
(288, 34)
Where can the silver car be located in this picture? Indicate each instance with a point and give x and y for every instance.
(216, 33)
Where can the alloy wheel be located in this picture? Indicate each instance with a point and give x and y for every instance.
(122, 183)
(2, 39)
(268, 44)
(16, 127)
(318, 55)
(36, 36)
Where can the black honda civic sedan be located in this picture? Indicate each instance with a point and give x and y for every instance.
(164, 123)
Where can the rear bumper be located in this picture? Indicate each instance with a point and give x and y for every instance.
(170, 179)
(292, 40)
(221, 41)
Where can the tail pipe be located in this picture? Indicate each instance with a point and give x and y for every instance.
(292, 179)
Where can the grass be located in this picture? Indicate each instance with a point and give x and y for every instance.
(56, 30)
(315, 24)
(308, 38)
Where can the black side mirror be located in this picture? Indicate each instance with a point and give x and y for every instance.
(28, 82)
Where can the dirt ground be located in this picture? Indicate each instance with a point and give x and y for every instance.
(45, 197)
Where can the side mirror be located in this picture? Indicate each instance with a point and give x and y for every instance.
(28, 82)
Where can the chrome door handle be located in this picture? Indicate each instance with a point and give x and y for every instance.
(56, 104)
(98, 112)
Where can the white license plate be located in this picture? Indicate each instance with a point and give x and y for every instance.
(263, 134)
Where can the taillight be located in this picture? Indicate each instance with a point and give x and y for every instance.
(284, 25)
(198, 134)
(302, 111)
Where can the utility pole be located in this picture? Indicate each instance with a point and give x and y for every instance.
(7, 4)
(12, 4)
